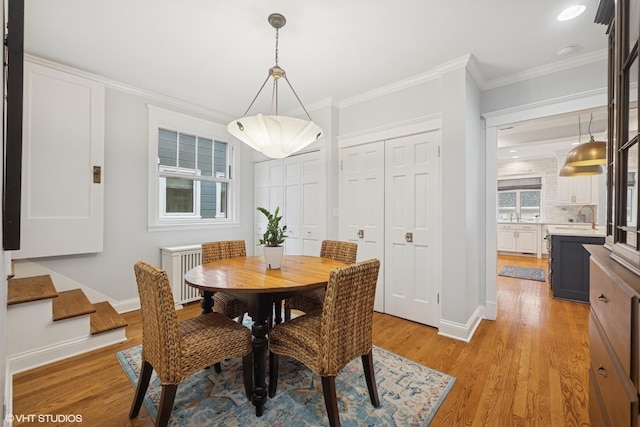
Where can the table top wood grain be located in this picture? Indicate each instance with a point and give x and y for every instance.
(251, 275)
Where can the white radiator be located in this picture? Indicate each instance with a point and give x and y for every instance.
(176, 261)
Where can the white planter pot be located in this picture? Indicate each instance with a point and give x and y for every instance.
(273, 256)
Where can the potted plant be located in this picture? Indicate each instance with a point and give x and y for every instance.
(273, 238)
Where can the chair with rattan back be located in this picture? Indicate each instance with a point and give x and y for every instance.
(328, 340)
(226, 304)
(176, 350)
(311, 301)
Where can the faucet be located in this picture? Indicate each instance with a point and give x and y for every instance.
(593, 215)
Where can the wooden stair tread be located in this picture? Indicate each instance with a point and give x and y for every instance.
(105, 318)
(71, 303)
(34, 288)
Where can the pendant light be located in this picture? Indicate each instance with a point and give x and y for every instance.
(567, 170)
(274, 135)
(588, 154)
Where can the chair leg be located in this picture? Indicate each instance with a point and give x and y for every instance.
(247, 374)
(166, 404)
(217, 367)
(287, 310)
(331, 400)
(141, 389)
(369, 374)
(273, 373)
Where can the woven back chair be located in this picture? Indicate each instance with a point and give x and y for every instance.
(311, 301)
(327, 341)
(176, 350)
(226, 304)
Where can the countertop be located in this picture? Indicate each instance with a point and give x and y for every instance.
(579, 229)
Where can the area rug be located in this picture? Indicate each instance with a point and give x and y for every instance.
(410, 394)
(523, 273)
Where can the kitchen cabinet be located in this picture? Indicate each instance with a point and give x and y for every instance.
(518, 238)
(613, 341)
(569, 266)
(577, 190)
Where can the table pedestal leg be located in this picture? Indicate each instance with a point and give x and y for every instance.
(260, 311)
(207, 302)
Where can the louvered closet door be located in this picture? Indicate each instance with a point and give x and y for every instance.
(411, 227)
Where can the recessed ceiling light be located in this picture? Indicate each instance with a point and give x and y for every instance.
(575, 143)
(513, 151)
(571, 12)
(514, 157)
(564, 51)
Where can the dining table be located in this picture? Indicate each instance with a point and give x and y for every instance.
(250, 279)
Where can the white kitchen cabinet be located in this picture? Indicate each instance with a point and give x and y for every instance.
(519, 238)
(577, 190)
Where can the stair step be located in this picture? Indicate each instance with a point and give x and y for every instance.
(71, 303)
(105, 318)
(27, 289)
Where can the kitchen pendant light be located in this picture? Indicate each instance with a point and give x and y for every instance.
(567, 170)
(274, 135)
(588, 154)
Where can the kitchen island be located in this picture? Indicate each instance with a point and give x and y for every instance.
(569, 260)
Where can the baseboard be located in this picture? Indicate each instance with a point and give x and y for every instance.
(491, 311)
(53, 353)
(126, 305)
(8, 396)
(459, 331)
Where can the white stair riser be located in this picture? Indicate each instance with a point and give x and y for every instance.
(30, 326)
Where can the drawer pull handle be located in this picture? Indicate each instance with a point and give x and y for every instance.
(602, 371)
(603, 298)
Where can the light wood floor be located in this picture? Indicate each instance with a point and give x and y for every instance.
(529, 367)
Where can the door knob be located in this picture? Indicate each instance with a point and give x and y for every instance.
(408, 237)
(361, 234)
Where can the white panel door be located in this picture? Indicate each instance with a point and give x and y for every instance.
(362, 205)
(313, 212)
(291, 208)
(411, 228)
(268, 193)
(63, 161)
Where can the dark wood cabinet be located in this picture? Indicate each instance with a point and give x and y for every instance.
(569, 266)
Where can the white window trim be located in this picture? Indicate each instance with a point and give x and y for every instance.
(167, 119)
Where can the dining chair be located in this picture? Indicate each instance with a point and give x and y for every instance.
(311, 301)
(226, 304)
(328, 340)
(176, 350)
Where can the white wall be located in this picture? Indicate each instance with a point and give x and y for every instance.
(126, 238)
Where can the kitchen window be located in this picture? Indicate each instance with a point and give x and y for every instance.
(191, 181)
(519, 199)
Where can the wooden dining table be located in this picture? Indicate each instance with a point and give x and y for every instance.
(250, 279)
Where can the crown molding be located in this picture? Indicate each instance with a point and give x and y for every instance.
(554, 67)
(196, 109)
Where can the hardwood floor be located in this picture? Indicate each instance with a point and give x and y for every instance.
(529, 367)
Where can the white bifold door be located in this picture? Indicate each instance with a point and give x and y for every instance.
(362, 205)
(412, 201)
(389, 205)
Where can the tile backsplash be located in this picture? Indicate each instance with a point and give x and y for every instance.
(547, 168)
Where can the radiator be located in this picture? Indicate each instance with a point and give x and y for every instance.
(176, 261)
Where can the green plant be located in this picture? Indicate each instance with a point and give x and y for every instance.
(274, 235)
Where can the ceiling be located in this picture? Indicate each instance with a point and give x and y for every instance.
(216, 54)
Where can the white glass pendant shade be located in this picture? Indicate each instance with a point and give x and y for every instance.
(275, 136)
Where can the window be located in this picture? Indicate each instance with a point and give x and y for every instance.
(191, 163)
(519, 199)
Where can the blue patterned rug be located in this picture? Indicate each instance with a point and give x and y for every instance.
(410, 394)
(523, 273)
